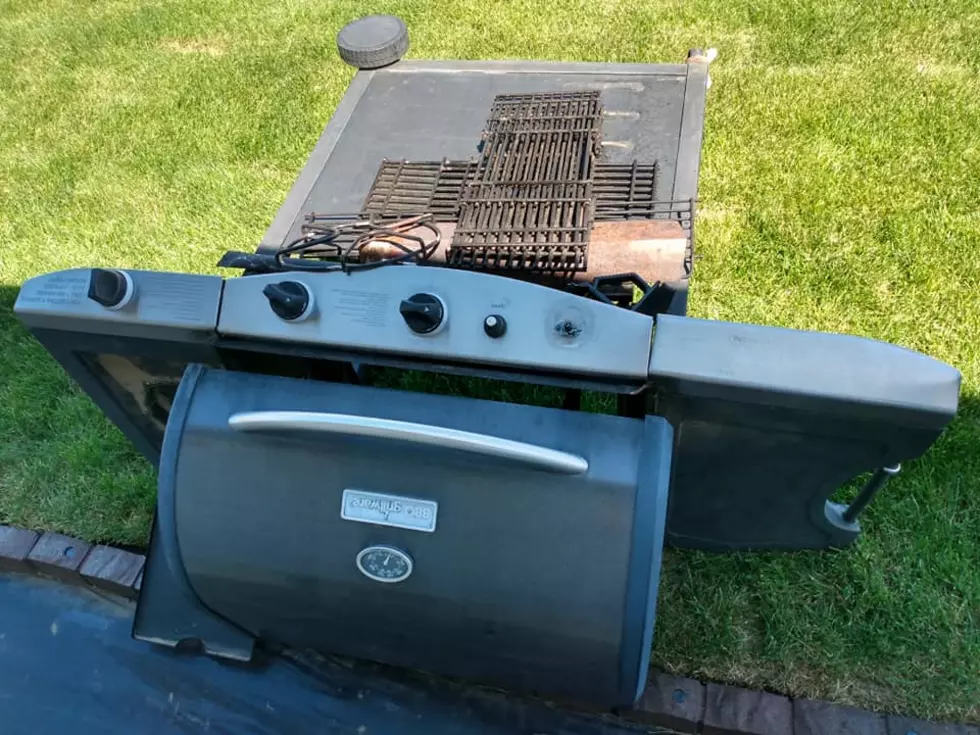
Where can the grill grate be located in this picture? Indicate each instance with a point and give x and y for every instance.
(541, 137)
(625, 191)
(552, 259)
(621, 191)
(557, 156)
(566, 111)
(529, 206)
(534, 226)
(417, 187)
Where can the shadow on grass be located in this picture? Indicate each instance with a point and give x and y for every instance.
(881, 614)
(63, 466)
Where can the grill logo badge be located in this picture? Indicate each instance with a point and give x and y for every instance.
(382, 509)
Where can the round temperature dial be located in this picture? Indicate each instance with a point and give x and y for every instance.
(384, 564)
(291, 301)
(424, 313)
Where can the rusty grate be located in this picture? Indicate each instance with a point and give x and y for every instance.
(529, 206)
(418, 187)
(621, 191)
(552, 259)
(534, 226)
(625, 191)
(541, 137)
(554, 156)
(549, 111)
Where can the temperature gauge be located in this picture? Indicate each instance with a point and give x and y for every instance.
(384, 564)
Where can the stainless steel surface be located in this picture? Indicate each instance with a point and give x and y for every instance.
(332, 423)
(170, 301)
(792, 365)
(547, 330)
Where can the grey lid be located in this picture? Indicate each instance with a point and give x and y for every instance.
(373, 41)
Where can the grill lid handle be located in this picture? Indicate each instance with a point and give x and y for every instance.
(542, 458)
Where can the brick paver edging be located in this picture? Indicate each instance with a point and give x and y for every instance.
(673, 703)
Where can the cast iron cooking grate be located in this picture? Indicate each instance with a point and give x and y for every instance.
(551, 259)
(566, 111)
(554, 156)
(418, 187)
(520, 225)
(626, 191)
(621, 191)
(550, 136)
(530, 204)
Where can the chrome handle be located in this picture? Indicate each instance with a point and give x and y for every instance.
(437, 436)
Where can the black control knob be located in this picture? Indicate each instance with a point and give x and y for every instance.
(290, 300)
(423, 313)
(112, 289)
(495, 326)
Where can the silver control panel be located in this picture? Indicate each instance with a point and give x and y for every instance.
(139, 304)
(440, 313)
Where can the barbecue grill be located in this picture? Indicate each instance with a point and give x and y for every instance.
(514, 231)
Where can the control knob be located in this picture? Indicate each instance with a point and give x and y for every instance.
(111, 288)
(495, 326)
(424, 313)
(290, 300)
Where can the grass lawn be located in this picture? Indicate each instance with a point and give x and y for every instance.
(840, 192)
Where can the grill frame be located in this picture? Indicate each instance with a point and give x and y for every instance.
(507, 216)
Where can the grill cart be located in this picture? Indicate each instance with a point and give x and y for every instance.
(353, 452)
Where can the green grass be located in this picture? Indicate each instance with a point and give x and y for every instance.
(840, 189)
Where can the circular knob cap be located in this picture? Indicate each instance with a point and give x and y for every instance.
(112, 289)
(423, 312)
(290, 300)
(495, 326)
(373, 42)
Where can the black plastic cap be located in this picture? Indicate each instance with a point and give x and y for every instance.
(495, 326)
(288, 299)
(107, 287)
(422, 312)
(373, 41)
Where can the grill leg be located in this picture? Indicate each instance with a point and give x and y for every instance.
(631, 405)
(877, 481)
(572, 400)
